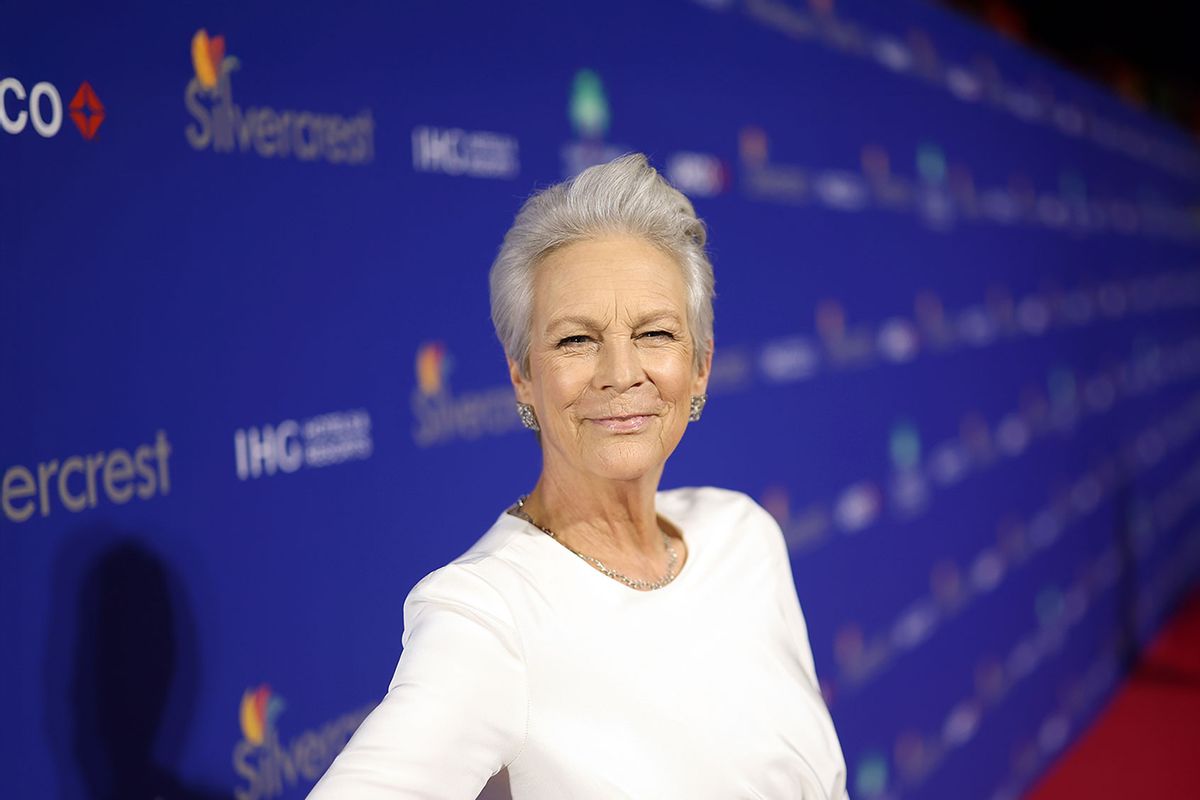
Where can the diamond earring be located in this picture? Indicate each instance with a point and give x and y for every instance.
(528, 419)
(698, 402)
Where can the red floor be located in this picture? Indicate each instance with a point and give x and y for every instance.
(1146, 743)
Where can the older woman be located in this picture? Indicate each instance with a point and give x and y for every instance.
(605, 639)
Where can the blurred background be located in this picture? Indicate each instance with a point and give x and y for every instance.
(251, 393)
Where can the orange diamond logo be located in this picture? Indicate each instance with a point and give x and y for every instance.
(87, 111)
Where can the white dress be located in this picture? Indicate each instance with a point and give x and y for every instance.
(519, 654)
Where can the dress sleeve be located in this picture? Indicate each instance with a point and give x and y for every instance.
(789, 606)
(455, 712)
(785, 590)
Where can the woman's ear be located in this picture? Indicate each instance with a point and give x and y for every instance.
(700, 382)
(520, 384)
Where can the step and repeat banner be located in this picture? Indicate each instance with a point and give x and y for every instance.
(251, 392)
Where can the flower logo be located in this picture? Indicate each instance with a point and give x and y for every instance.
(433, 365)
(207, 56)
(258, 713)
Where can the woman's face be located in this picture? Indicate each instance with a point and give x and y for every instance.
(610, 358)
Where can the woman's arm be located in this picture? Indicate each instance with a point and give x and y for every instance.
(789, 606)
(455, 712)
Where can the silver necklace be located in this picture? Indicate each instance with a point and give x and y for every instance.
(635, 583)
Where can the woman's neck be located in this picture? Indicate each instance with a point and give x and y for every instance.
(602, 518)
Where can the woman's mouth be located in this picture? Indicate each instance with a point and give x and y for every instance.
(626, 424)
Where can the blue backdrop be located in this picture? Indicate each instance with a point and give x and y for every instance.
(251, 393)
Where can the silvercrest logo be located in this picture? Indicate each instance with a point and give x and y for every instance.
(224, 126)
(268, 766)
(443, 417)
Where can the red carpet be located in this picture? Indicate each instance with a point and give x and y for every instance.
(1146, 743)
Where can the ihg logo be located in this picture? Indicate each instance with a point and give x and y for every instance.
(42, 107)
(318, 441)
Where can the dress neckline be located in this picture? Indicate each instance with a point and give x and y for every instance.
(685, 569)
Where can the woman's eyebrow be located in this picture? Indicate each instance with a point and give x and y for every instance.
(654, 316)
(572, 319)
(588, 322)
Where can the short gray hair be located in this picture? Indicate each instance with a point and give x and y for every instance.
(624, 196)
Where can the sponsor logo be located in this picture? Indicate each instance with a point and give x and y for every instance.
(698, 174)
(441, 416)
(223, 126)
(590, 118)
(857, 507)
(871, 774)
(841, 190)
(287, 446)
(802, 528)
(732, 370)
(476, 154)
(78, 482)
(87, 112)
(42, 109)
(762, 179)
(433, 367)
(876, 165)
(845, 345)
(909, 490)
(941, 194)
(792, 359)
(266, 765)
(891, 53)
(913, 755)
(904, 445)
(898, 340)
(589, 106)
(258, 713)
(933, 202)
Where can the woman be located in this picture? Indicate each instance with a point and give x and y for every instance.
(604, 639)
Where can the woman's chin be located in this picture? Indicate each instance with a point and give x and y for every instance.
(628, 459)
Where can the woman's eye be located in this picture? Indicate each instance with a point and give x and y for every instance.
(667, 334)
(574, 340)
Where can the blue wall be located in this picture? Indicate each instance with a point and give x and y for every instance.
(251, 392)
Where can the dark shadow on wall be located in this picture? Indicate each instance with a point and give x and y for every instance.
(120, 671)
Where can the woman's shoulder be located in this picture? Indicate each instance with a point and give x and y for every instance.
(477, 577)
(704, 501)
(719, 517)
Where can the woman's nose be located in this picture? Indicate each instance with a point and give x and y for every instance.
(620, 366)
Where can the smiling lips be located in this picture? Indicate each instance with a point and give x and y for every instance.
(630, 423)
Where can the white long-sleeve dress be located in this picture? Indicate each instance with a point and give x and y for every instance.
(520, 655)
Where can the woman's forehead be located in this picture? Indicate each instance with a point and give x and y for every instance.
(597, 303)
(605, 270)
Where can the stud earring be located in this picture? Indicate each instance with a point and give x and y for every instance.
(698, 402)
(528, 418)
